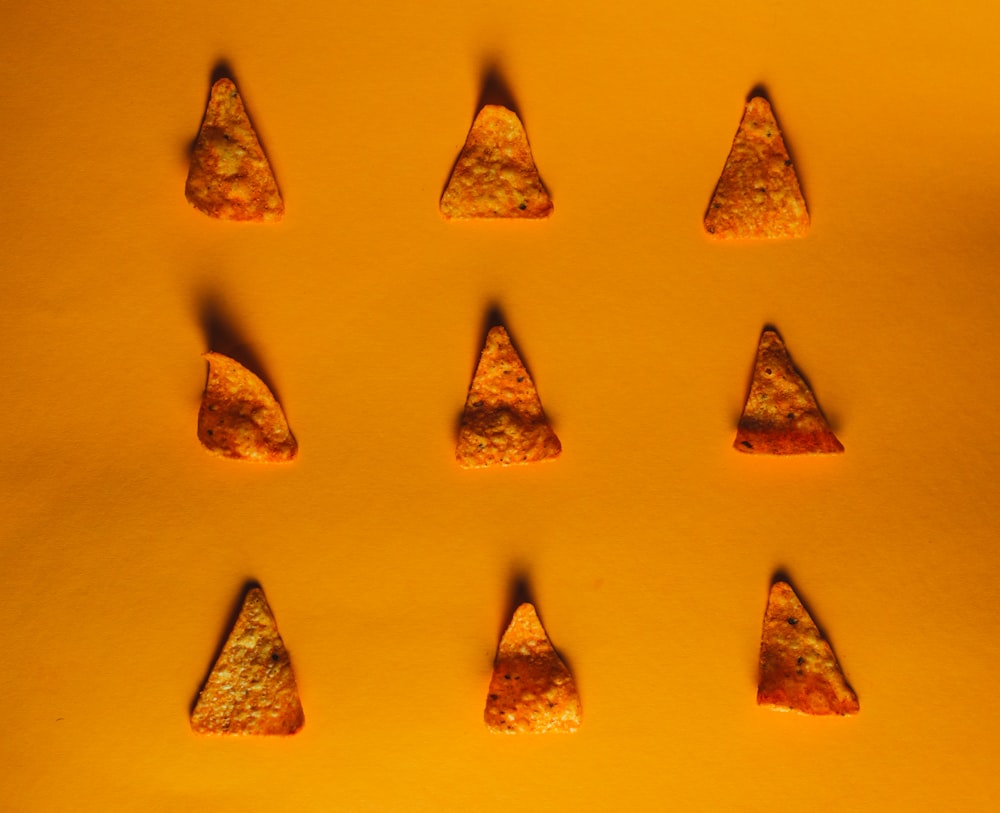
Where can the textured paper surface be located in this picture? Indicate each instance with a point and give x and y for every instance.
(648, 545)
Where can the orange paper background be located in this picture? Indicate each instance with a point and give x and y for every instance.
(648, 546)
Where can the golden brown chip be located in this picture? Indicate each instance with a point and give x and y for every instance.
(758, 193)
(781, 415)
(531, 691)
(503, 423)
(798, 670)
(240, 418)
(495, 175)
(251, 689)
(230, 177)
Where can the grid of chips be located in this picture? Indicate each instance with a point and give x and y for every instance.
(798, 670)
(230, 177)
(251, 690)
(531, 691)
(781, 415)
(503, 423)
(495, 175)
(758, 194)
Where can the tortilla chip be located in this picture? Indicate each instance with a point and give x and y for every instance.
(495, 176)
(781, 415)
(531, 691)
(798, 670)
(758, 194)
(251, 689)
(503, 423)
(240, 418)
(230, 177)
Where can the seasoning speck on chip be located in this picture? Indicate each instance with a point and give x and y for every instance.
(495, 175)
(503, 423)
(230, 177)
(239, 418)
(251, 689)
(758, 193)
(531, 691)
(781, 415)
(798, 670)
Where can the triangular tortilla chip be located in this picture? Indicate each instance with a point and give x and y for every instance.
(251, 689)
(230, 177)
(781, 415)
(531, 691)
(495, 176)
(798, 670)
(758, 193)
(240, 418)
(503, 423)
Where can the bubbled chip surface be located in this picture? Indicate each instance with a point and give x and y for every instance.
(798, 669)
(495, 175)
(230, 177)
(251, 690)
(781, 416)
(503, 423)
(532, 690)
(758, 194)
(239, 417)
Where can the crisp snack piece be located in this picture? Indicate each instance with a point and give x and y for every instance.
(251, 689)
(240, 418)
(495, 175)
(503, 423)
(758, 193)
(798, 670)
(531, 691)
(781, 415)
(230, 177)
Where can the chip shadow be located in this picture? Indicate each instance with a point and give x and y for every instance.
(519, 591)
(493, 90)
(223, 335)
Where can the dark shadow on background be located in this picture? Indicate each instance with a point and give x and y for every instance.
(223, 335)
(494, 89)
(234, 613)
(518, 592)
(759, 90)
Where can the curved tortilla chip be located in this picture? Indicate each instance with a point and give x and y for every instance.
(798, 670)
(781, 415)
(240, 418)
(531, 691)
(230, 177)
(503, 423)
(251, 690)
(495, 175)
(758, 193)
